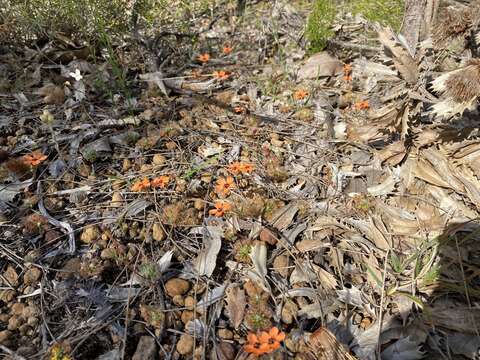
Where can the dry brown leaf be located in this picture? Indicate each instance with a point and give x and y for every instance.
(456, 318)
(323, 345)
(385, 187)
(403, 61)
(283, 217)
(424, 171)
(236, 303)
(392, 154)
(371, 232)
(52, 94)
(442, 167)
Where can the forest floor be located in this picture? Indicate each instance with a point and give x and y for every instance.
(245, 198)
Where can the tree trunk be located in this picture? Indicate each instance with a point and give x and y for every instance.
(417, 21)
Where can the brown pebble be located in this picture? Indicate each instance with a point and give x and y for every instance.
(89, 234)
(187, 315)
(14, 322)
(268, 237)
(280, 265)
(4, 336)
(190, 302)
(30, 311)
(225, 334)
(32, 321)
(159, 159)
(11, 276)
(178, 300)
(158, 234)
(176, 286)
(185, 344)
(32, 275)
(17, 309)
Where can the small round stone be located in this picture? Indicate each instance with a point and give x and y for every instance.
(185, 344)
(176, 286)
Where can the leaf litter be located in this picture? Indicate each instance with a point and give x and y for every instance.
(343, 189)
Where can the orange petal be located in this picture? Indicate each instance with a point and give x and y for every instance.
(252, 338)
(280, 336)
(274, 346)
(264, 348)
(273, 332)
(263, 337)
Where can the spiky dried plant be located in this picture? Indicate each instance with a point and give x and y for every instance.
(460, 89)
(453, 24)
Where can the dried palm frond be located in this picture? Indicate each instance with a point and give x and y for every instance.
(460, 89)
(455, 24)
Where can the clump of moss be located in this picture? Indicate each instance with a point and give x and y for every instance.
(319, 24)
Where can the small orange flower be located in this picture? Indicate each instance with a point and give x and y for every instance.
(222, 75)
(203, 58)
(347, 72)
(141, 185)
(300, 94)
(224, 185)
(227, 49)
(240, 168)
(239, 110)
(235, 167)
(247, 168)
(265, 342)
(362, 105)
(161, 182)
(35, 158)
(221, 207)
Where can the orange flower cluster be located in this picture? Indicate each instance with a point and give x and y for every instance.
(35, 158)
(300, 94)
(221, 75)
(362, 105)
(240, 168)
(203, 58)
(265, 342)
(347, 72)
(159, 182)
(221, 207)
(227, 50)
(224, 186)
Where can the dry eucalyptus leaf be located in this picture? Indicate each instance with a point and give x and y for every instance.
(258, 255)
(236, 303)
(206, 260)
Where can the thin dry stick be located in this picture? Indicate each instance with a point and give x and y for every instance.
(380, 315)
